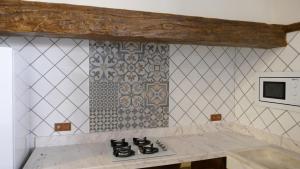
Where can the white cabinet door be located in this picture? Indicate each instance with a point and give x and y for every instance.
(6, 113)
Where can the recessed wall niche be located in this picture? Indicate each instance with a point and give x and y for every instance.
(129, 85)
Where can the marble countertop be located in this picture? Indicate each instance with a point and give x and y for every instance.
(97, 155)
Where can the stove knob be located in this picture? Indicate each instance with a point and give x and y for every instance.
(158, 143)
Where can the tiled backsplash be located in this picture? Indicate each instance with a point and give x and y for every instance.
(248, 61)
(128, 85)
(59, 85)
(201, 83)
(203, 80)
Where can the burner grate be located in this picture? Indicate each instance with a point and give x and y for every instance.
(123, 151)
(141, 142)
(116, 143)
(149, 149)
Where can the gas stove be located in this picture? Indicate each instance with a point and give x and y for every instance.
(138, 148)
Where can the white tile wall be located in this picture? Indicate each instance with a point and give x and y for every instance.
(201, 83)
(58, 81)
(203, 80)
(248, 61)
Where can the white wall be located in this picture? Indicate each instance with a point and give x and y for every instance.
(269, 11)
(286, 11)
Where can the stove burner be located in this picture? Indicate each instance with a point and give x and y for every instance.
(149, 149)
(119, 144)
(123, 151)
(141, 142)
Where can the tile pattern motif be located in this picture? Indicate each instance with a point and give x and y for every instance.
(157, 94)
(105, 96)
(137, 77)
(248, 62)
(105, 99)
(103, 60)
(58, 82)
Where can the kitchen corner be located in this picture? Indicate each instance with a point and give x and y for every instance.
(150, 84)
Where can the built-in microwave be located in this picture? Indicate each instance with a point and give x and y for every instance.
(279, 90)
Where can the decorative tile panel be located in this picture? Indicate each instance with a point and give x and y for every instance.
(103, 120)
(131, 117)
(156, 117)
(157, 94)
(58, 82)
(141, 70)
(131, 95)
(103, 105)
(157, 62)
(103, 60)
(103, 96)
(132, 61)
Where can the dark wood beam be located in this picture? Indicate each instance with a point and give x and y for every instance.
(292, 27)
(62, 20)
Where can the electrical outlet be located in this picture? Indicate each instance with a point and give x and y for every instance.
(185, 165)
(216, 117)
(62, 126)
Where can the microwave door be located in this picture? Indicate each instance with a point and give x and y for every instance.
(273, 90)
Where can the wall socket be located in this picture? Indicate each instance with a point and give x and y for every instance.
(62, 126)
(216, 117)
(185, 165)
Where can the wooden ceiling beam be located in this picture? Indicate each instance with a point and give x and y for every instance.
(62, 20)
(292, 27)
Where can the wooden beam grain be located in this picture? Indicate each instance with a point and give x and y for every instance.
(62, 20)
(292, 27)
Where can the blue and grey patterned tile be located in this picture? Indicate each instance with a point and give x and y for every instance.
(131, 95)
(103, 106)
(156, 117)
(132, 62)
(103, 61)
(103, 96)
(157, 62)
(131, 118)
(139, 75)
(103, 120)
(157, 94)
